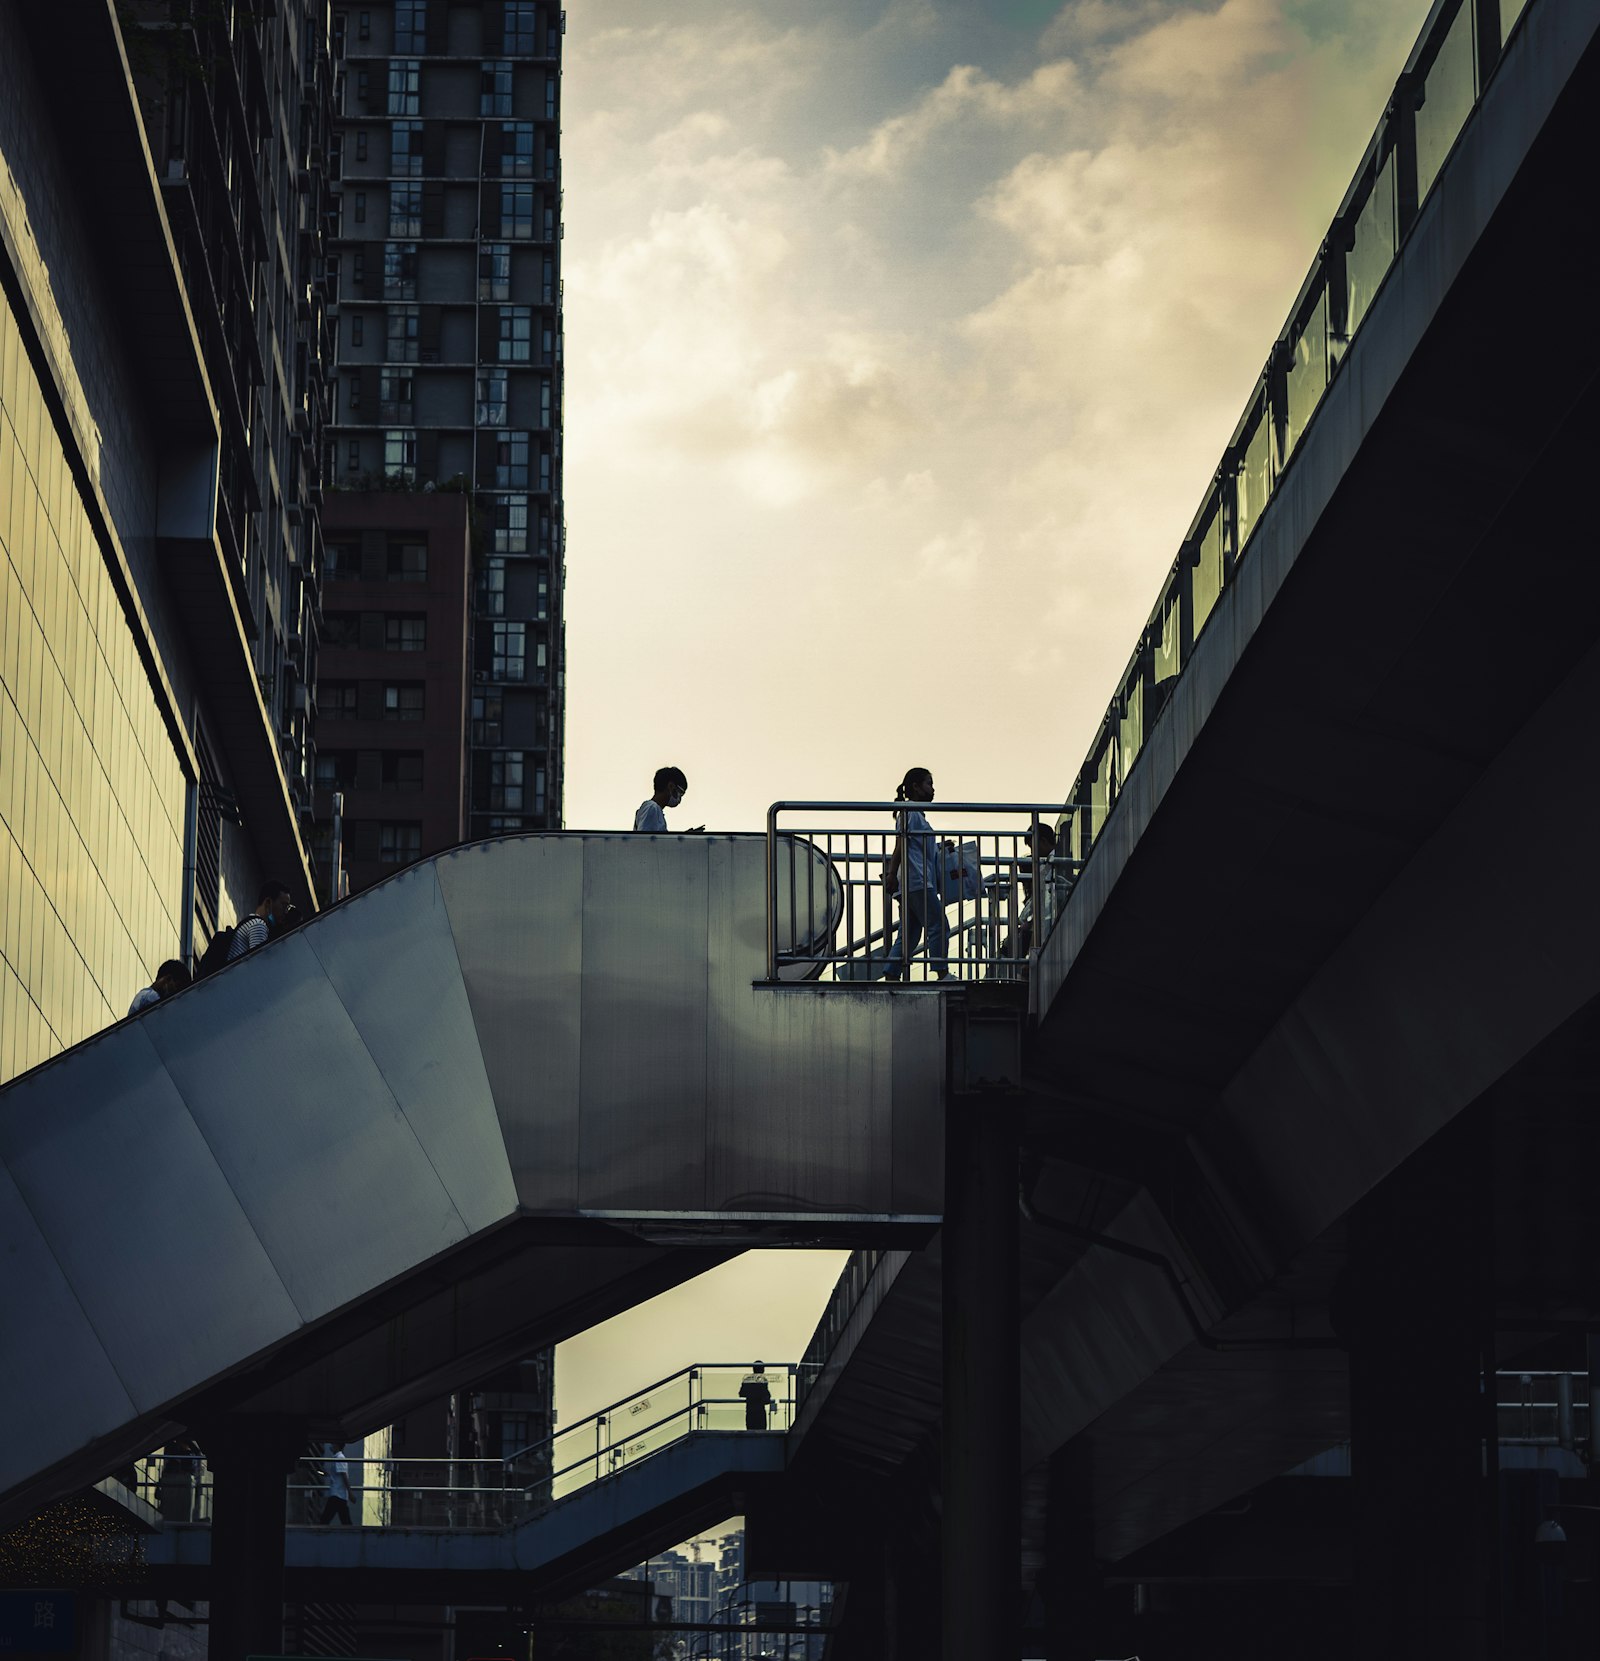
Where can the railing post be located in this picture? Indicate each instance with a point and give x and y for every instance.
(1043, 877)
(772, 891)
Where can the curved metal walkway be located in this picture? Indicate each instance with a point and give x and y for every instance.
(538, 1040)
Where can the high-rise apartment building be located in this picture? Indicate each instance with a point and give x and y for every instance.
(237, 102)
(447, 276)
(392, 695)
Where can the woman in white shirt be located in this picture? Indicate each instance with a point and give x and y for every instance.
(918, 847)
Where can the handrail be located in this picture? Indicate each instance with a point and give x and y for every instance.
(1365, 242)
(495, 1493)
(1006, 894)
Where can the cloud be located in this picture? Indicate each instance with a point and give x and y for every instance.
(856, 358)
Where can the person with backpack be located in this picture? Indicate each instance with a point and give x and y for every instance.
(273, 914)
(265, 923)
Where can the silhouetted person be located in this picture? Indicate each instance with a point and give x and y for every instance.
(918, 848)
(171, 977)
(758, 1402)
(671, 786)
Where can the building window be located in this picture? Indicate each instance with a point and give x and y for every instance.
(516, 211)
(337, 700)
(545, 406)
(522, 28)
(549, 97)
(341, 628)
(510, 524)
(335, 769)
(400, 271)
(399, 844)
(363, 25)
(547, 284)
(552, 163)
(405, 87)
(544, 470)
(363, 87)
(352, 456)
(400, 453)
(410, 25)
(405, 150)
(395, 389)
(542, 600)
(353, 393)
(407, 562)
(511, 462)
(360, 207)
(405, 210)
(487, 708)
(492, 589)
(400, 345)
(492, 398)
(402, 769)
(495, 96)
(516, 334)
(516, 150)
(505, 781)
(549, 223)
(361, 145)
(494, 271)
(405, 633)
(510, 661)
(357, 329)
(403, 701)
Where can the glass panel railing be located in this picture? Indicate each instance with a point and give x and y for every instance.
(1169, 646)
(337, 1491)
(1448, 92)
(1253, 486)
(1307, 377)
(1205, 576)
(1372, 246)
(1104, 790)
(847, 1293)
(1130, 729)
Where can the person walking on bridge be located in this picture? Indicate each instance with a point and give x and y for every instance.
(916, 848)
(671, 786)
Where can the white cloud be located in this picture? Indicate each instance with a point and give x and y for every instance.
(952, 368)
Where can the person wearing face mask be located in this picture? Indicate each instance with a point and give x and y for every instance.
(267, 920)
(670, 789)
(917, 848)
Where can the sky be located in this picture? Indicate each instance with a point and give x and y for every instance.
(902, 340)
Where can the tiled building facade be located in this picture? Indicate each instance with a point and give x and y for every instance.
(147, 780)
(448, 308)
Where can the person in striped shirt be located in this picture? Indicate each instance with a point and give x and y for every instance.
(271, 913)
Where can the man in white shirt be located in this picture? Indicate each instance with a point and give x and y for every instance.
(671, 786)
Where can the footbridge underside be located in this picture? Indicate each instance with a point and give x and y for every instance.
(510, 1091)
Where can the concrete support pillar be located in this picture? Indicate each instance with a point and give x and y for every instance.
(250, 1459)
(1419, 1320)
(981, 1443)
(1069, 1581)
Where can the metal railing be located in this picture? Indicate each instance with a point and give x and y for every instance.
(491, 1494)
(847, 1293)
(852, 896)
(1460, 48)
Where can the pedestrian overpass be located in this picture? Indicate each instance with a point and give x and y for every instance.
(1321, 1008)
